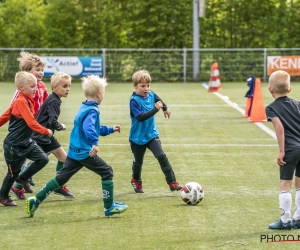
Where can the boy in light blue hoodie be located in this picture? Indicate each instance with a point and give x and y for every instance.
(83, 150)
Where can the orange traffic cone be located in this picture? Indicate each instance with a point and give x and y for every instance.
(258, 113)
(214, 81)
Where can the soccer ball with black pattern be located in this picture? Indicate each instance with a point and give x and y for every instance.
(192, 193)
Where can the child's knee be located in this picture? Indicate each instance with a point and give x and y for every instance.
(43, 160)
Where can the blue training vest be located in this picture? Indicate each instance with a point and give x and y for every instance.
(80, 146)
(143, 132)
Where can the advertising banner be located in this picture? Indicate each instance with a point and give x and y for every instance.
(290, 64)
(73, 65)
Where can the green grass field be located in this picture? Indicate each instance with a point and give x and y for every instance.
(206, 141)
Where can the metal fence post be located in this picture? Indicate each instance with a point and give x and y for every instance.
(265, 64)
(103, 62)
(184, 65)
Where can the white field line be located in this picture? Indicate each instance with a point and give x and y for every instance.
(192, 145)
(242, 111)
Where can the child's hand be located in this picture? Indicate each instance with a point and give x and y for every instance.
(63, 126)
(167, 113)
(94, 151)
(50, 132)
(280, 157)
(158, 105)
(117, 128)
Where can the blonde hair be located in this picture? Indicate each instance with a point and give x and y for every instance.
(92, 84)
(27, 61)
(279, 81)
(24, 78)
(141, 76)
(57, 77)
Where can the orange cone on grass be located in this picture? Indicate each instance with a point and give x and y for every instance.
(258, 113)
(214, 81)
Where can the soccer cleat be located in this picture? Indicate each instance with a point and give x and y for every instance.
(137, 186)
(280, 225)
(296, 224)
(64, 192)
(175, 186)
(25, 185)
(7, 201)
(31, 205)
(115, 208)
(30, 181)
(19, 193)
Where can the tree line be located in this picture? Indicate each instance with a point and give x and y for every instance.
(148, 24)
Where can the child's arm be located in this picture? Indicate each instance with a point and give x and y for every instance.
(104, 130)
(90, 131)
(138, 113)
(53, 110)
(279, 130)
(5, 117)
(21, 109)
(167, 112)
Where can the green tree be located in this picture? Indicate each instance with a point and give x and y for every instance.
(21, 23)
(60, 22)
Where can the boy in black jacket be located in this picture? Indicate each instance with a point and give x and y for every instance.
(48, 117)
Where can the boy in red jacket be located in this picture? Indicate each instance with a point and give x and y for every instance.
(18, 144)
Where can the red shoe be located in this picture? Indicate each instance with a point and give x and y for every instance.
(18, 192)
(175, 186)
(137, 186)
(64, 192)
(7, 201)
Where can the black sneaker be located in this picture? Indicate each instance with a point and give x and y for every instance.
(7, 202)
(64, 192)
(25, 185)
(296, 224)
(137, 186)
(280, 225)
(175, 186)
(30, 181)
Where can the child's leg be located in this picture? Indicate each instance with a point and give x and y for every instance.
(156, 149)
(61, 156)
(297, 196)
(13, 168)
(39, 158)
(70, 168)
(138, 152)
(285, 200)
(100, 167)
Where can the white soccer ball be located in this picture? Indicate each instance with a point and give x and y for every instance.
(192, 193)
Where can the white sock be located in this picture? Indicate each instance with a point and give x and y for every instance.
(297, 204)
(285, 203)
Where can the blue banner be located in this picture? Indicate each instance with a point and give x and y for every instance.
(73, 65)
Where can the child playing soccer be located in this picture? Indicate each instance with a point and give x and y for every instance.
(31, 63)
(83, 149)
(18, 144)
(48, 117)
(284, 113)
(144, 104)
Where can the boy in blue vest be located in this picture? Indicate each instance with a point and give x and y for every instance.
(144, 104)
(83, 149)
(284, 113)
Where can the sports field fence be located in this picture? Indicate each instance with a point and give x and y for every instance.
(164, 65)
